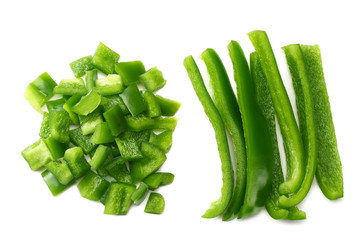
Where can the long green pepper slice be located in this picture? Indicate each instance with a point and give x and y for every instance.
(218, 206)
(258, 142)
(225, 101)
(289, 130)
(328, 170)
(305, 110)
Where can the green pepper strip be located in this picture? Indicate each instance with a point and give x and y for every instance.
(292, 139)
(257, 136)
(267, 108)
(328, 170)
(305, 110)
(225, 101)
(218, 206)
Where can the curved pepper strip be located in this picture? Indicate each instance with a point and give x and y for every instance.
(305, 110)
(225, 101)
(263, 98)
(258, 142)
(218, 206)
(328, 170)
(289, 130)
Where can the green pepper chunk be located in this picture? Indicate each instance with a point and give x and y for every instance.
(59, 122)
(56, 148)
(87, 104)
(110, 85)
(45, 126)
(118, 199)
(92, 186)
(154, 157)
(82, 141)
(153, 79)
(130, 71)
(217, 207)
(139, 123)
(140, 193)
(328, 169)
(153, 109)
(115, 119)
(61, 171)
(102, 134)
(114, 100)
(129, 148)
(159, 179)
(293, 144)
(89, 122)
(39, 91)
(155, 204)
(90, 78)
(99, 157)
(81, 65)
(305, 110)
(165, 123)
(258, 141)
(133, 100)
(37, 155)
(162, 140)
(104, 59)
(118, 170)
(53, 184)
(74, 99)
(76, 161)
(71, 87)
(168, 107)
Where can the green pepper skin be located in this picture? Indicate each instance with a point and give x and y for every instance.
(71, 87)
(305, 111)
(37, 155)
(53, 184)
(56, 148)
(165, 123)
(218, 206)
(92, 186)
(225, 101)
(110, 85)
(159, 179)
(81, 65)
(267, 108)
(129, 149)
(104, 59)
(82, 141)
(153, 79)
(90, 78)
(99, 157)
(87, 103)
(162, 140)
(74, 157)
(153, 108)
(114, 100)
(119, 171)
(89, 122)
(130, 71)
(168, 107)
(61, 171)
(102, 134)
(45, 126)
(118, 199)
(115, 120)
(258, 141)
(133, 100)
(139, 123)
(74, 99)
(293, 144)
(155, 204)
(328, 170)
(140, 193)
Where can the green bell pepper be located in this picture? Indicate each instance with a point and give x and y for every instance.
(119, 171)
(129, 148)
(45, 126)
(104, 59)
(159, 179)
(130, 71)
(89, 122)
(90, 78)
(71, 87)
(155, 204)
(61, 171)
(153, 79)
(56, 148)
(165, 123)
(163, 140)
(53, 184)
(112, 84)
(102, 134)
(153, 109)
(99, 157)
(168, 107)
(118, 199)
(37, 155)
(139, 123)
(81, 65)
(114, 100)
(76, 161)
(140, 193)
(82, 141)
(74, 99)
(115, 120)
(92, 186)
(133, 100)
(87, 103)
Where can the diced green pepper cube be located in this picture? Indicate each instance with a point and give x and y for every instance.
(71, 87)
(155, 204)
(104, 59)
(39, 91)
(165, 123)
(130, 71)
(140, 193)
(69, 104)
(129, 149)
(59, 122)
(102, 134)
(37, 155)
(56, 148)
(152, 106)
(162, 140)
(92, 186)
(118, 199)
(90, 78)
(133, 100)
(76, 161)
(53, 184)
(110, 85)
(118, 170)
(101, 154)
(154, 157)
(45, 126)
(89, 122)
(55, 105)
(153, 79)
(81, 65)
(61, 171)
(82, 141)
(158, 179)
(87, 104)
(139, 123)
(115, 120)
(141, 136)
(168, 107)
(114, 100)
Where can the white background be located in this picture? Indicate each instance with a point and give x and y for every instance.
(39, 36)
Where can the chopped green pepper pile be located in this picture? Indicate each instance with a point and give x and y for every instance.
(124, 131)
(310, 148)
